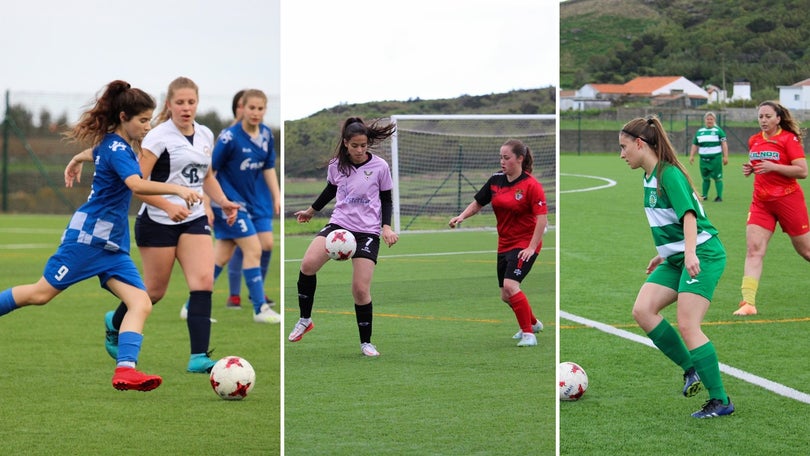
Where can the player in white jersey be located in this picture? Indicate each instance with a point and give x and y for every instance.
(96, 241)
(362, 184)
(178, 151)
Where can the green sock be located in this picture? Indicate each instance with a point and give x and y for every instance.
(706, 184)
(719, 185)
(670, 343)
(707, 366)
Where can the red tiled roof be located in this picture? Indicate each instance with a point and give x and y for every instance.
(609, 88)
(646, 85)
(806, 82)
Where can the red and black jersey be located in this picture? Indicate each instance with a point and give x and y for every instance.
(516, 205)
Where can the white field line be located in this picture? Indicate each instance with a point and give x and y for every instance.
(609, 183)
(27, 246)
(414, 255)
(769, 385)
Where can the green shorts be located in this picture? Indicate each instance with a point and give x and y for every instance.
(711, 166)
(672, 273)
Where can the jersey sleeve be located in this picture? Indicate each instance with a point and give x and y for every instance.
(680, 193)
(538, 199)
(386, 182)
(124, 163)
(154, 143)
(484, 195)
(270, 162)
(794, 148)
(221, 152)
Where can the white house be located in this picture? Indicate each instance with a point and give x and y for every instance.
(796, 96)
(742, 91)
(651, 87)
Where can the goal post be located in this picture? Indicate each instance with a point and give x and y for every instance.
(439, 162)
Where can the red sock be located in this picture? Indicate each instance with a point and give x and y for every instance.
(523, 311)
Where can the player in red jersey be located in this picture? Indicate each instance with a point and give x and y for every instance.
(776, 159)
(521, 213)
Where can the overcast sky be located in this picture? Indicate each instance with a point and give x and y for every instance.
(64, 52)
(309, 54)
(365, 50)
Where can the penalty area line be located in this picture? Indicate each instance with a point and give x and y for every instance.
(769, 385)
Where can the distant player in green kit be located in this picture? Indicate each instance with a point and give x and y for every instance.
(688, 265)
(710, 143)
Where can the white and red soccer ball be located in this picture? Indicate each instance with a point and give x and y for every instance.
(232, 378)
(340, 245)
(572, 381)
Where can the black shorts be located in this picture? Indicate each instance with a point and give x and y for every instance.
(149, 233)
(509, 267)
(368, 245)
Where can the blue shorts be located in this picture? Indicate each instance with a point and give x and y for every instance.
(263, 224)
(73, 263)
(242, 227)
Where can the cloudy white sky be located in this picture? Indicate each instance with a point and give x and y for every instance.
(365, 50)
(307, 55)
(64, 52)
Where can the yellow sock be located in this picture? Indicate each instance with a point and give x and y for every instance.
(749, 290)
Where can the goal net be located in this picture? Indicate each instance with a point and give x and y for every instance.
(439, 162)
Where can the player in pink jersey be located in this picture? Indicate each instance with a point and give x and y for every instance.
(776, 159)
(521, 213)
(362, 184)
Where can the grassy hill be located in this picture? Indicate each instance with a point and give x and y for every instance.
(310, 142)
(714, 42)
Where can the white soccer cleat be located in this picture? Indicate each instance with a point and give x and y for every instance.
(527, 340)
(536, 328)
(267, 315)
(369, 349)
(303, 326)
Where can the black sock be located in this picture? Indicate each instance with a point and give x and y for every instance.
(306, 293)
(118, 317)
(365, 315)
(199, 320)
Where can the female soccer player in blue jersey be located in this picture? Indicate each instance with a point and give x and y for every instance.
(519, 203)
(688, 265)
(242, 154)
(362, 184)
(263, 220)
(96, 241)
(178, 151)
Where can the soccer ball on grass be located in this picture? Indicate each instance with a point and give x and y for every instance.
(340, 245)
(572, 380)
(232, 378)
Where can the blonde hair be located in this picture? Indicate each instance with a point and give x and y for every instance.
(179, 83)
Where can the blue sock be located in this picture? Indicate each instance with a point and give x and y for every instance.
(265, 262)
(255, 284)
(235, 273)
(217, 272)
(7, 303)
(129, 347)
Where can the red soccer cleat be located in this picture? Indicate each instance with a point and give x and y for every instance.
(127, 378)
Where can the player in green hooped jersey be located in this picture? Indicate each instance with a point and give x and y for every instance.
(710, 143)
(688, 265)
